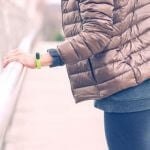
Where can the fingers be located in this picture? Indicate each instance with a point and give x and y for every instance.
(11, 56)
(15, 55)
(12, 53)
(6, 61)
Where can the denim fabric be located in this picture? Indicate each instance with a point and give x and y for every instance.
(128, 131)
(129, 100)
(57, 61)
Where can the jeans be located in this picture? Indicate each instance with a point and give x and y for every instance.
(132, 99)
(128, 131)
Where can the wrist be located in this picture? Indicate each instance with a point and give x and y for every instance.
(38, 60)
(46, 60)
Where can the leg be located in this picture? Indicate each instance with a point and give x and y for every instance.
(128, 131)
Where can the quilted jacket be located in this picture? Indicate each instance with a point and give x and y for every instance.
(107, 46)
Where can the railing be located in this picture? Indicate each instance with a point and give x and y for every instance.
(10, 84)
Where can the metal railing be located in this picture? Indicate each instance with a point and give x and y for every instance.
(11, 79)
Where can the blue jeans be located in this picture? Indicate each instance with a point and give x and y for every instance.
(128, 131)
(132, 99)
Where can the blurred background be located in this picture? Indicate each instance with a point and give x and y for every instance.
(19, 17)
(46, 116)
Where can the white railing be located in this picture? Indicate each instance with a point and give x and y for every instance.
(10, 83)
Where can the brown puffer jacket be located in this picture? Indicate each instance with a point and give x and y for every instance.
(107, 46)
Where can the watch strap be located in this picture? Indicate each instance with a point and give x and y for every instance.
(38, 60)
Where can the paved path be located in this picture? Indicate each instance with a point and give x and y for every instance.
(47, 118)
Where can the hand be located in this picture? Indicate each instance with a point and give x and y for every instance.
(27, 59)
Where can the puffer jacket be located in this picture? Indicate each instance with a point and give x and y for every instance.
(107, 46)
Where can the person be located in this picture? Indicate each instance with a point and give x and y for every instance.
(107, 56)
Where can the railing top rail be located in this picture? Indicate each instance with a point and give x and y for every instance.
(10, 80)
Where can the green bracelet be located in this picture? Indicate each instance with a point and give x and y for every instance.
(38, 61)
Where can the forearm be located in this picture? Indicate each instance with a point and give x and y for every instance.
(51, 58)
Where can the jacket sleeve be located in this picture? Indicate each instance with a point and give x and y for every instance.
(97, 20)
(57, 61)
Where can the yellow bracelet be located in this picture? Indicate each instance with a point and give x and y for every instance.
(38, 61)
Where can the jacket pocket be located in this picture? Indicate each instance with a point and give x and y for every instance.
(92, 70)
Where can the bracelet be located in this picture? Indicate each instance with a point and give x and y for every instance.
(38, 61)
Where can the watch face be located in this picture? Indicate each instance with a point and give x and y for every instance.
(37, 55)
